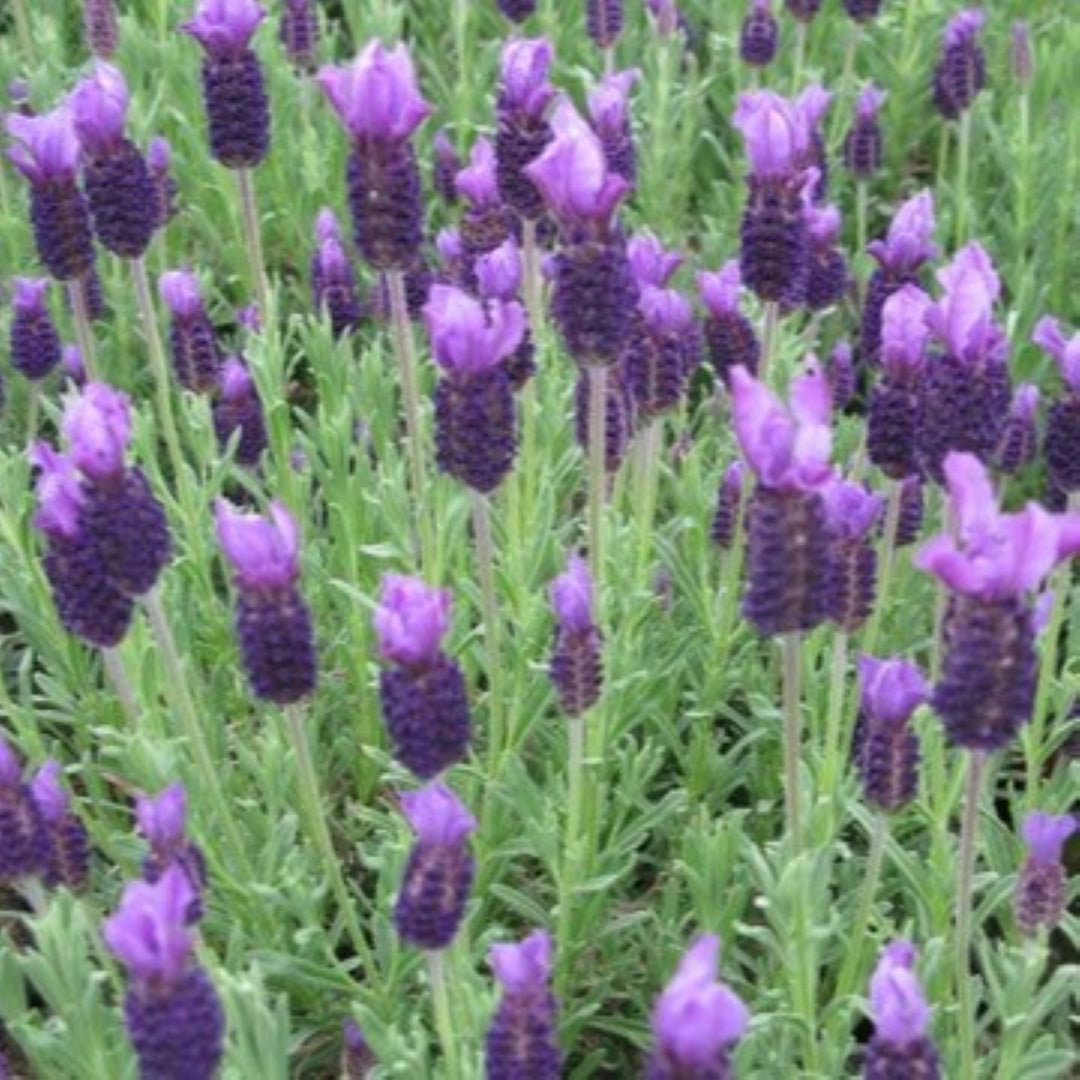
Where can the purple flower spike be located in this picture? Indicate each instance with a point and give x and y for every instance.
(60, 495)
(162, 818)
(467, 337)
(68, 858)
(961, 69)
(437, 815)
(411, 620)
(101, 27)
(25, 841)
(1019, 439)
(99, 107)
(46, 147)
(477, 181)
(609, 112)
(179, 290)
(851, 512)
(1049, 336)
(524, 87)
(604, 21)
(666, 16)
(159, 162)
(357, 1058)
(759, 35)
(890, 690)
(1041, 888)
(696, 1019)
(49, 794)
(652, 264)
(97, 425)
(1023, 59)
(909, 241)
(524, 966)
(1062, 440)
(1045, 836)
(264, 553)
(901, 1017)
(572, 596)
(576, 663)
(376, 96)
(35, 344)
(498, 273)
(727, 505)
(774, 132)
(298, 31)
(224, 28)
(720, 290)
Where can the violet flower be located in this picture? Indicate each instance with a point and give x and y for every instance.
(901, 1017)
(655, 362)
(487, 221)
(298, 31)
(759, 35)
(447, 164)
(35, 344)
(159, 162)
(852, 514)
(499, 277)
(101, 27)
(68, 861)
(604, 21)
(827, 276)
(333, 280)
(729, 334)
(650, 262)
(961, 69)
(24, 839)
(728, 504)
(609, 114)
(1019, 438)
(238, 408)
(162, 820)
(193, 344)
(576, 660)
(1062, 441)
(1039, 901)
(863, 142)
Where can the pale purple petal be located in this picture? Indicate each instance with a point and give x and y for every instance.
(411, 619)
(1045, 836)
(891, 690)
(437, 815)
(264, 553)
(572, 596)
(525, 966)
(97, 427)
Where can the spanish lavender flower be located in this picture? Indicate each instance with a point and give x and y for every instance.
(68, 861)
(522, 1039)
(378, 102)
(862, 10)
(357, 1060)
(991, 566)
(811, 106)
(18, 92)
(604, 21)
(498, 277)
(120, 515)
(803, 10)
(523, 97)
(475, 414)
(162, 820)
(787, 531)
(1039, 901)
(961, 69)
(759, 35)
(893, 416)
(576, 660)
(965, 393)
(101, 27)
(1061, 443)
(115, 176)
(196, 354)
(696, 1020)
(910, 521)
(449, 249)
(884, 748)
(774, 256)
(906, 247)
(423, 692)
(24, 838)
(650, 262)
(654, 362)
(609, 114)
(46, 152)
(729, 334)
(159, 162)
(237, 108)
(238, 407)
(35, 344)
(900, 1045)
(447, 166)
(851, 514)
(666, 17)
(439, 872)
(487, 221)
(1023, 60)
(827, 277)
(299, 33)
(1020, 438)
(333, 280)
(272, 621)
(618, 416)
(863, 143)
(840, 371)
(517, 10)
(728, 500)
(94, 294)
(174, 1019)
(89, 604)
(593, 285)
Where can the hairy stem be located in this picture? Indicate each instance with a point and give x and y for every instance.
(851, 970)
(485, 558)
(647, 478)
(834, 750)
(962, 169)
(444, 1017)
(253, 241)
(573, 846)
(84, 333)
(885, 566)
(121, 684)
(597, 474)
(792, 654)
(968, 835)
(769, 328)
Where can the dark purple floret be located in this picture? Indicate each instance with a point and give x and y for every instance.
(334, 288)
(731, 340)
(881, 286)
(803, 10)
(604, 21)
(1040, 896)
(521, 364)
(357, 1060)
(620, 152)
(237, 108)
(88, 603)
(95, 294)
(127, 526)
(384, 198)
(243, 414)
(447, 165)
(662, 1066)
(726, 519)
(517, 10)
(299, 34)
(891, 425)
(122, 199)
(521, 1043)
(101, 27)
(959, 76)
(482, 230)
(887, 758)
(987, 687)
(518, 141)
(427, 715)
(196, 354)
(852, 582)
(61, 221)
(69, 854)
(24, 840)
(775, 250)
(1018, 445)
(35, 344)
(787, 561)
(577, 669)
(189, 858)
(827, 278)
(618, 418)
(178, 1031)
(476, 427)
(759, 37)
(962, 406)
(840, 371)
(276, 643)
(434, 891)
(594, 293)
(1061, 443)
(818, 158)
(915, 1060)
(863, 148)
(654, 368)
(910, 521)
(862, 10)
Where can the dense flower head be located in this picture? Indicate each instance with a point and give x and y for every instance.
(850, 509)
(235, 380)
(524, 965)
(49, 794)
(909, 240)
(478, 181)
(179, 291)
(224, 27)
(97, 427)
(1048, 335)
(448, 245)
(696, 1016)
(962, 320)
(29, 295)
(720, 290)
(571, 595)
(1025, 402)
(899, 1007)
(162, 818)
(149, 933)
(788, 447)
(99, 107)
(869, 103)
(524, 86)
(994, 556)
(609, 101)
(411, 619)
(72, 361)
(774, 131)
(905, 332)
(890, 690)
(1045, 835)
(60, 495)
(498, 272)
(263, 551)
(46, 147)
(437, 815)
(650, 262)
(376, 96)
(467, 336)
(572, 173)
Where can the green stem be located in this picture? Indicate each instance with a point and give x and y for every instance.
(1023, 178)
(733, 563)
(117, 676)
(609, 59)
(444, 1017)
(791, 645)
(84, 333)
(887, 563)
(160, 367)
(851, 971)
(319, 832)
(253, 241)
(968, 834)
(597, 474)
(769, 328)
(830, 773)
(573, 845)
(862, 206)
(800, 55)
(22, 32)
(33, 410)
(963, 165)
(647, 482)
(485, 558)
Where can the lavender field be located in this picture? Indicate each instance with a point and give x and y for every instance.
(538, 539)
